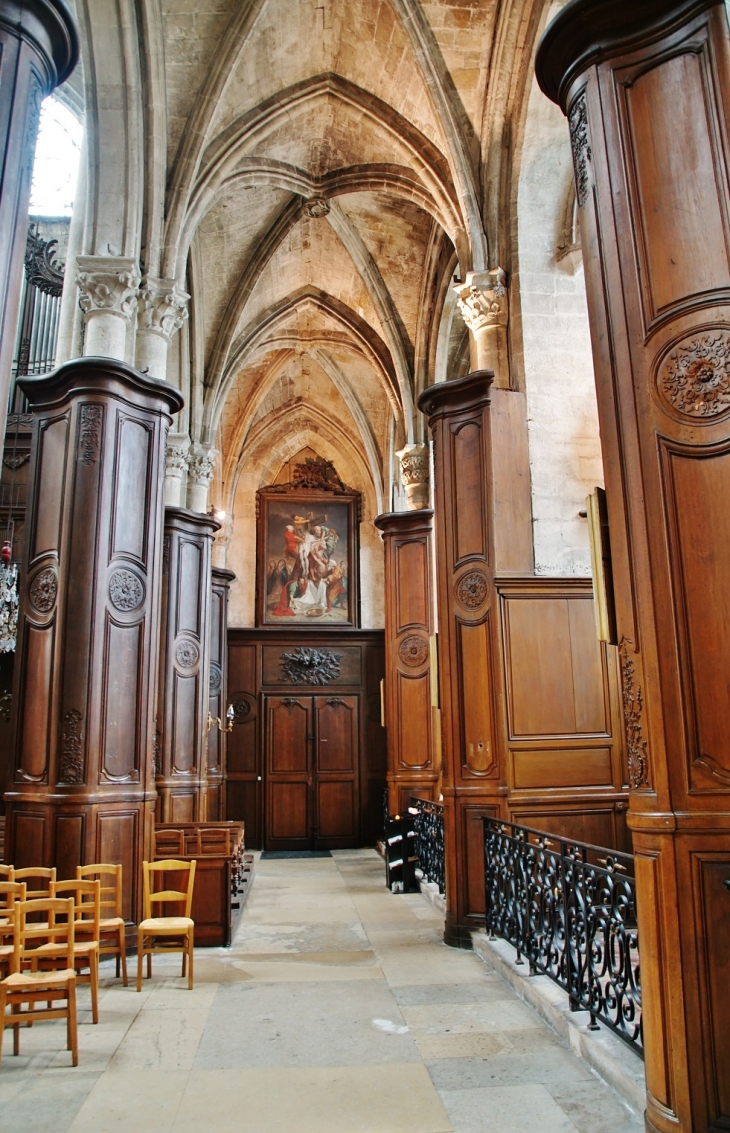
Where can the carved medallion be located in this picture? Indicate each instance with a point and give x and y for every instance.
(71, 763)
(472, 589)
(242, 708)
(187, 653)
(126, 591)
(695, 376)
(43, 591)
(633, 706)
(413, 650)
(310, 666)
(216, 678)
(580, 144)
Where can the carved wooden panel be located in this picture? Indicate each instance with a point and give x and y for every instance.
(319, 666)
(470, 483)
(89, 617)
(218, 699)
(184, 689)
(683, 225)
(305, 747)
(409, 625)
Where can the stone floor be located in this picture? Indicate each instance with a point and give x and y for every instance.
(337, 1009)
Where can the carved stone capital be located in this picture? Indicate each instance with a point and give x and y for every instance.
(414, 467)
(482, 299)
(176, 465)
(108, 285)
(484, 306)
(222, 542)
(201, 468)
(161, 306)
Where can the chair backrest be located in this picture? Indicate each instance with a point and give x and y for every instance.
(169, 842)
(54, 933)
(111, 893)
(38, 879)
(165, 896)
(7, 872)
(86, 897)
(10, 893)
(215, 840)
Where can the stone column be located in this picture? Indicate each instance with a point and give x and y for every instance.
(108, 287)
(39, 48)
(415, 475)
(177, 459)
(413, 733)
(218, 701)
(161, 311)
(646, 90)
(85, 673)
(459, 415)
(222, 543)
(184, 682)
(201, 468)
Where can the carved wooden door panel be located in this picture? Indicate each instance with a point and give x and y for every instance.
(289, 815)
(336, 772)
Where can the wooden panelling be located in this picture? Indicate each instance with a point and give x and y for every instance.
(88, 621)
(475, 700)
(646, 89)
(218, 699)
(580, 767)
(470, 513)
(305, 762)
(412, 762)
(185, 666)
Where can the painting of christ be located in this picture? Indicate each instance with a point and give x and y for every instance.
(306, 560)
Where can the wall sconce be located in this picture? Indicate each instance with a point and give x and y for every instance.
(230, 716)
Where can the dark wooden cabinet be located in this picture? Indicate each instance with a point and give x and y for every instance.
(306, 757)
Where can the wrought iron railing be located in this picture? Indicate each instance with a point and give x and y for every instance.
(570, 909)
(428, 822)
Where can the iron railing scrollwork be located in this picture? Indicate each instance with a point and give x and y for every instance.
(570, 909)
(428, 822)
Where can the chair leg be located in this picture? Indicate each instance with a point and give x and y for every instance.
(149, 965)
(2, 1019)
(184, 958)
(94, 981)
(15, 1007)
(190, 964)
(140, 952)
(72, 1032)
(123, 954)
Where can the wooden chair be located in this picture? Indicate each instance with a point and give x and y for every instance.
(113, 938)
(38, 880)
(7, 872)
(168, 842)
(10, 893)
(27, 983)
(86, 897)
(176, 932)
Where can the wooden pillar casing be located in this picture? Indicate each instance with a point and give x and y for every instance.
(85, 673)
(39, 48)
(646, 89)
(218, 693)
(413, 763)
(459, 417)
(184, 683)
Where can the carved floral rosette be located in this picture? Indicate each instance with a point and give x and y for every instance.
(413, 650)
(693, 377)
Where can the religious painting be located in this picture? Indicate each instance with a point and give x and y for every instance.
(307, 573)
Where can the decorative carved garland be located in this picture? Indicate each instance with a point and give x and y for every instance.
(310, 666)
(633, 706)
(71, 763)
(126, 591)
(472, 589)
(695, 376)
(580, 144)
(44, 590)
(187, 653)
(413, 650)
(90, 434)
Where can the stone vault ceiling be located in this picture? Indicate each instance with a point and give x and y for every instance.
(327, 170)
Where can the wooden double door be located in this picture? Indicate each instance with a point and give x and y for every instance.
(312, 771)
